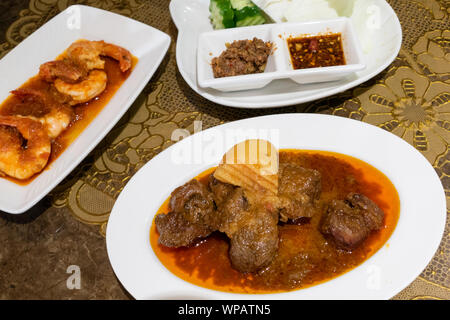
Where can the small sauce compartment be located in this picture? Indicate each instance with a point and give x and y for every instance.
(212, 44)
(315, 52)
(242, 57)
(322, 34)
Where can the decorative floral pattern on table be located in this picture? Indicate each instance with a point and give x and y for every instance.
(412, 107)
(433, 54)
(439, 9)
(411, 99)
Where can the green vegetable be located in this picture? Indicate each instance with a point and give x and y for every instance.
(235, 13)
(249, 16)
(240, 4)
(246, 13)
(222, 14)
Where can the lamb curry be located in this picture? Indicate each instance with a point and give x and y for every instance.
(335, 212)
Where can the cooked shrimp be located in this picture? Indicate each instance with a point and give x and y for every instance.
(58, 117)
(62, 69)
(117, 53)
(85, 90)
(57, 121)
(19, 161)
(87, 53)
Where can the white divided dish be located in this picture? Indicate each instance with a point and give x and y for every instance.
(279, 65)
(380, 43)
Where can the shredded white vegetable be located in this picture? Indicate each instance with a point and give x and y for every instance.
(297, 10)
(309, 10)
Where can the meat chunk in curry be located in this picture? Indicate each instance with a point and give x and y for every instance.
(242, 57)
(348, 222)
(175, 231)
(192, 216)
(298, 189)
(195, 202)
(252, 229)
(220, 190)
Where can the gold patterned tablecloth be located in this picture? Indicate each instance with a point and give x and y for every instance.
(411, 99)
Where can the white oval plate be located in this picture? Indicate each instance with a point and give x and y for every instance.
(192, 18)
(148, 44)
(387, 272)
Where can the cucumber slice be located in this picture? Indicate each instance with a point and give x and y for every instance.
(235, 13)
(222, 14)
(249, 16)
(240, 4)
(250, 22)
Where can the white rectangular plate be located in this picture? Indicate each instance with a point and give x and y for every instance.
(148, 44)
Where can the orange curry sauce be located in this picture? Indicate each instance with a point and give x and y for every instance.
(305, 257)
(84, 113)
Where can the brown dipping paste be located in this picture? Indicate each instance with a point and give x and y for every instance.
(305, 257)
(84, 113)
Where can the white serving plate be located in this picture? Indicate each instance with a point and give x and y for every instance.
(279, 65)
(148, 44)
(407, 252)
(192, 19)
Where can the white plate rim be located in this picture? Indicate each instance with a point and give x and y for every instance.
(280, 103)
(118, 224)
